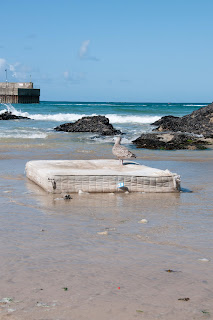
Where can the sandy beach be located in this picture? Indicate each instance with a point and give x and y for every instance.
(90, 258)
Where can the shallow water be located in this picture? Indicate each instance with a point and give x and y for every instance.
(131, 118)
(48, 244)
(112, 266)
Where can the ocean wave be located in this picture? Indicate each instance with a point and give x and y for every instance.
(106, 139)
(113, 118)
(23, 135)
(3, 111)
(195, 105)
(131, 119)
(70, 117)
(59, 117)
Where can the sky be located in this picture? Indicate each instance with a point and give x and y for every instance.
(114, 50)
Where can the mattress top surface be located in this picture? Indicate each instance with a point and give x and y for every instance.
(94, 167)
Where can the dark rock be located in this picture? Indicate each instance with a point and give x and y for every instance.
(198, 122)
(99, 124)
(167, 121)
(9, 116)
(170, 141)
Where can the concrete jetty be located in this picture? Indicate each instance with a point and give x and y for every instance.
(18, 92)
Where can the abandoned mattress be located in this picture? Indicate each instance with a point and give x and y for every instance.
(71, 176)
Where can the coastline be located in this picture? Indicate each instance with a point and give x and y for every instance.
(106, 160)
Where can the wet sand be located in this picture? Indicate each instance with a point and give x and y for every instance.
(90, 258)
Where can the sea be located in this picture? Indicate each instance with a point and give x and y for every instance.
(131, 118)
(90, 257)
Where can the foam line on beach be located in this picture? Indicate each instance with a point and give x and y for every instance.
(20, 134)
(24, 136)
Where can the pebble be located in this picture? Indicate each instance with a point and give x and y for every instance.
(56, 199)
(6, 300)
(103, 233)
(204, 260)
(143, 221)
(43, 305)
(82, 192)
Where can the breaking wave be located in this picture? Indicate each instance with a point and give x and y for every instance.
(113, 118)
(70, 117)
(23, 136)
(195, 105)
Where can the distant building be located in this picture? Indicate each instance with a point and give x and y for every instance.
(18, 92)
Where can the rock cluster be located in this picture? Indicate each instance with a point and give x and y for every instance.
(198, 122)
(97, 124)
(193, 131)
(9, 116)
(170, 141)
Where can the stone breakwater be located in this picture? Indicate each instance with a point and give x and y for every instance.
(193, 131)
(97, 124)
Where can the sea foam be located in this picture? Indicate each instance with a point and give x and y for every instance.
(195, 105)
(113, 118)
(23, 135)
(71, 117)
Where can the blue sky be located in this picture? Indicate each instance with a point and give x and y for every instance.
(114, 50)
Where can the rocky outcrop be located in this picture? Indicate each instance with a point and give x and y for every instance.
(170, 141)
(198, 122)
(97, 124)
(193, 131)
(9, 116)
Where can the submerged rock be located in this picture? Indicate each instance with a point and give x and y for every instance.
(9, 116)
(170, 141)
(198, 122)
(98, 124)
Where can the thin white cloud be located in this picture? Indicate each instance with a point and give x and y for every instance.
(15, 70)
(84, 48)
(2, 63)
(66, 75)
(84, 51)
(74, 77)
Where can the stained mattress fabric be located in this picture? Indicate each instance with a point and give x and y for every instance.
(71, 176)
